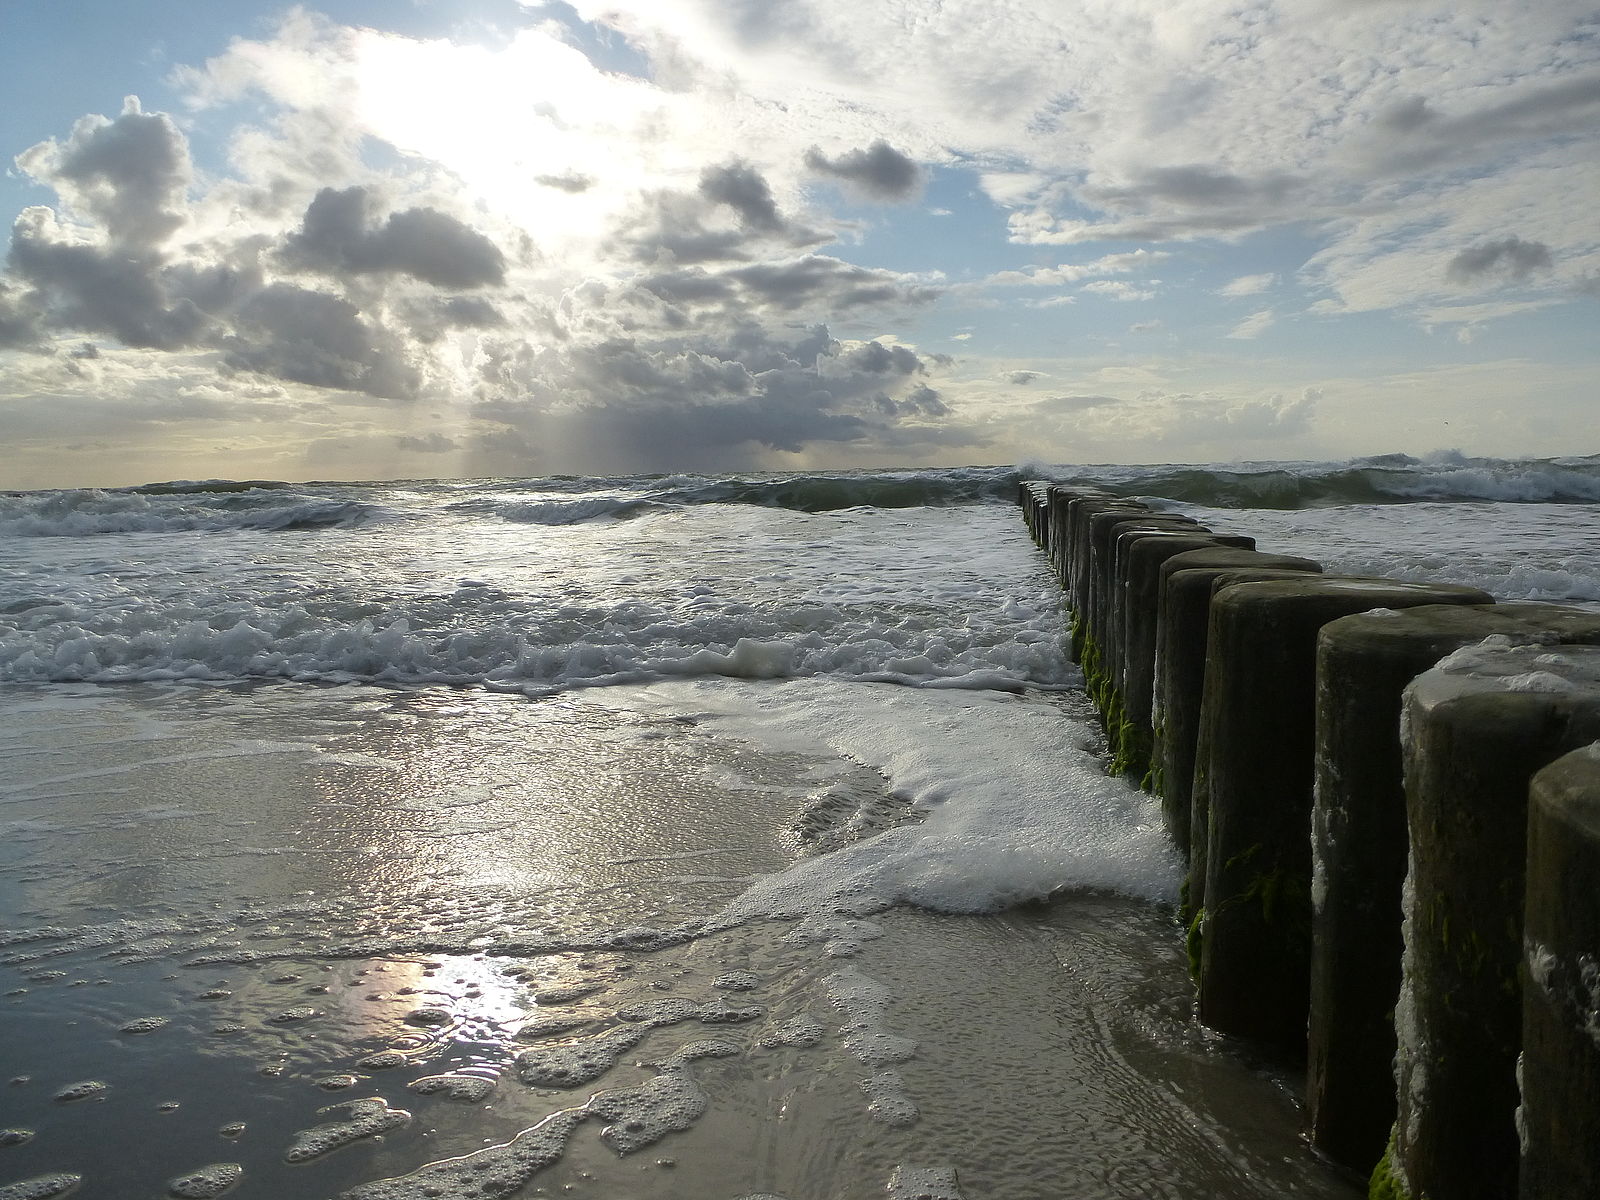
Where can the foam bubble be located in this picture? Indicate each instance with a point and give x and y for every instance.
(289, 1016)
(543, 1025)
(430, 1015)
(565, 993)
(887, 1100)
(668, 1010)
(335, 1083)
(206, 1182)
(467, 1089)
(737, 981)
(383, 1060)
(672, 1101)
(42, 1187)
(492, 1171)
(15, 1137)
(85, 1090)
(363, 1119)
(801, 1032)
(864, 1002)
(924, 1183)
(144, 1025)
(568, 1064)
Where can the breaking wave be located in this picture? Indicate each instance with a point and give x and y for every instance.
(1386, 479)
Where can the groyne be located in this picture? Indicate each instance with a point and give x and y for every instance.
(1388, 795)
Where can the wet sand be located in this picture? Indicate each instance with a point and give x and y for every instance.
(486, 892)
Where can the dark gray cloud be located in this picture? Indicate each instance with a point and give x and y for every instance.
(95, 289)
(880, 171)
(819, 279)
(1405, 115)
(428, 443)
(129, 174)
(1418, 134)
(687, 228)
(742, 188)
(1200, 186)
(19, 319)
(338, 236)
(1022, 377)
(432, 317)
(311, 337)
(1510, 257)
(708, 402)
(813, 281)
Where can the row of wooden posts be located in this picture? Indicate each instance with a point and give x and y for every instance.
(1393, 860)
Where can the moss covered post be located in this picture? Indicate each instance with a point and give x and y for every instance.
(1259, 717)
(1560, 1118)
(1143, 556)
(1477, 728)
(1358, 849)
(1187, 582)
(1080, 516)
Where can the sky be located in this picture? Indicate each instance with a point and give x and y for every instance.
(379, 239)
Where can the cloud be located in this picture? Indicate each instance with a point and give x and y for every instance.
(1254, 325)
(338, 236)
(1062, 404)
(431, 443)
(1510, 257)
(1273, 417)
(314, 338)
(637, 404)
(1417, 133)
(128, 174)
(742, 188)
(1022, 378)
(1248, 285)
(1110, 264)
(82, 286)
(1198, 185)
(571, 183)
(1117, 289)
(672, 225)
(880, 172)
(19, 321)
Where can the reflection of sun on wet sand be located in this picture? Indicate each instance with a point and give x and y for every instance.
(387, 944)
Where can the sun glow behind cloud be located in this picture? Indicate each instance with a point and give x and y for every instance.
(533, 129)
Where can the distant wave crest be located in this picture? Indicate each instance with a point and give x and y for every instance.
(1386, 479)
(173, 508)
(569, 500)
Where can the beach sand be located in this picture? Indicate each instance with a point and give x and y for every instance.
(222, 902)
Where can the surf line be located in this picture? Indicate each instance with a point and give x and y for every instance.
(1388, 793)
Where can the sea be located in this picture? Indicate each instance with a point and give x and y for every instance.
(740, 837)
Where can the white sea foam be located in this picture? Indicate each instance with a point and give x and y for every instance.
(1513, 551)
(935, 597)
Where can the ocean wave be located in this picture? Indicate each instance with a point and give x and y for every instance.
(569, 499)
(1384, 479)
(195, 487)
(562, 511)
(90, 511)
(629, 642)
